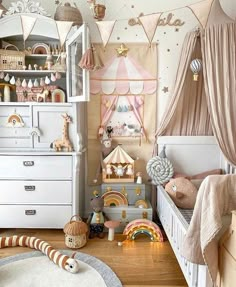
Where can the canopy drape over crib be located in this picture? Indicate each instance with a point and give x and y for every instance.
(206, 106)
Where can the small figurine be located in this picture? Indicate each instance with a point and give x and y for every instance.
(119, 169)
(130, 171)
(97, 217)
(108, 170)
(139, 177)
(109, 131)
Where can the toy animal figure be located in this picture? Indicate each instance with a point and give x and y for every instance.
(41, 97)
(97, 217)
(65, 262)
(65, 141)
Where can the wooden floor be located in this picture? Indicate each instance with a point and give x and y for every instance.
(137, 263)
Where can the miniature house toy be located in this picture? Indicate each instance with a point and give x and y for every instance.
(118, 167)
(75, 232)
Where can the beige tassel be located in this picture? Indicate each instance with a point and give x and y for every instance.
(98, 64)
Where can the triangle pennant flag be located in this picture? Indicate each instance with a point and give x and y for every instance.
(63, 28)
(202, 10)
(149, 23)
(105, 28)
(27, 23)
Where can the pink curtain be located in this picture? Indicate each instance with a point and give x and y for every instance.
(187, 113)
(219, 58)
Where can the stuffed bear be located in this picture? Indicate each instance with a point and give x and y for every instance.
(97, 218)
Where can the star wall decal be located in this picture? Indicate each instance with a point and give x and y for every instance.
(165, 89)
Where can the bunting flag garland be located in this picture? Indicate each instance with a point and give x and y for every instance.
(63, 28)
(105, 29)
(27, 23)
(149, 23)
(202, 11)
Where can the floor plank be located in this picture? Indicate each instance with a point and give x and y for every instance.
(137, 263)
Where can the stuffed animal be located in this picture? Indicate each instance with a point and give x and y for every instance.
(106, 149)
(97, 217)
(182, 191)
(68, 263)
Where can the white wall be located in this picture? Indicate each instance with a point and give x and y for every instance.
(168, 39)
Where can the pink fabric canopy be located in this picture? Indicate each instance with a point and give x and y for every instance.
(122, 75)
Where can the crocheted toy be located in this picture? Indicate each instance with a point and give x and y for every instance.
(160, 169)
(68, 263)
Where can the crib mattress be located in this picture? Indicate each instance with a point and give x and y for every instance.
(187, 214)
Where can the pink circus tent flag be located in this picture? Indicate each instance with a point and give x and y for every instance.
(132, 73)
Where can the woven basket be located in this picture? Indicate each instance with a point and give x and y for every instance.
(11, 59)
(68, 13)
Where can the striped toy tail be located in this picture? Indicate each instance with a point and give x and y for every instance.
(68, 263)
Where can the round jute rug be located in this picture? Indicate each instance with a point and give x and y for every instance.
(34, 269)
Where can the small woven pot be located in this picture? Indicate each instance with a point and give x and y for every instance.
(75, 233)
(68, 13)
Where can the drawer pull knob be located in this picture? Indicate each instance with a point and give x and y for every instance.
(29, 187)
(28, 163)
(30, 212)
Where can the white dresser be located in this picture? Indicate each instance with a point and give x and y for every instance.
(39, 187)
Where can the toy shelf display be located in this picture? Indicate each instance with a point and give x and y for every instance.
(126, 202)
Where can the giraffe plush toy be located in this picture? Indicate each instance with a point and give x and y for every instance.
(68, 263)
(64, 142)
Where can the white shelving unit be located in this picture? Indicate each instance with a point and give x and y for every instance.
(41, 188)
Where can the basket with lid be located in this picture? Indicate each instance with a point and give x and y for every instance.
(67, 12)
(75, 232)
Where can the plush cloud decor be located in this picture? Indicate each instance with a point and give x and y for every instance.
(182, 191)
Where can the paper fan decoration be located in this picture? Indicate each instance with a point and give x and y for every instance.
(160, 169)
(114, 198)
(15, 120)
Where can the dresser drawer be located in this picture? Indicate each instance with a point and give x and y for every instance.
(35, 192)
(15, 142)
(35, 167)
(34, 216)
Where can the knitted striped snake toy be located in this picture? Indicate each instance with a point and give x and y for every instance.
(68, 263)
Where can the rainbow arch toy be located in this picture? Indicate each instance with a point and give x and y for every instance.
(143, 226)
(114, 198)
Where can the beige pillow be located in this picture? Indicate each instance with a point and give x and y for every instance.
(182, 191)
(197, 182)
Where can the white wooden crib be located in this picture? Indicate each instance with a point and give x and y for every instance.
(190, 155)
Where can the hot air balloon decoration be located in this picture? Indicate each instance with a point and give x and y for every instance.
(196, 66)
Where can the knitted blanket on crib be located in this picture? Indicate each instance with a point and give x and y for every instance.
(216, 197)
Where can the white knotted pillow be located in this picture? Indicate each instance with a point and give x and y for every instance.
(160, 170)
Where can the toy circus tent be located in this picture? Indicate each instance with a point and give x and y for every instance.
(119, 166)
(125, 74)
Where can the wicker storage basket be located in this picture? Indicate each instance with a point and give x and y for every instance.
(75, 233)
(11, 59)
(68, 13)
